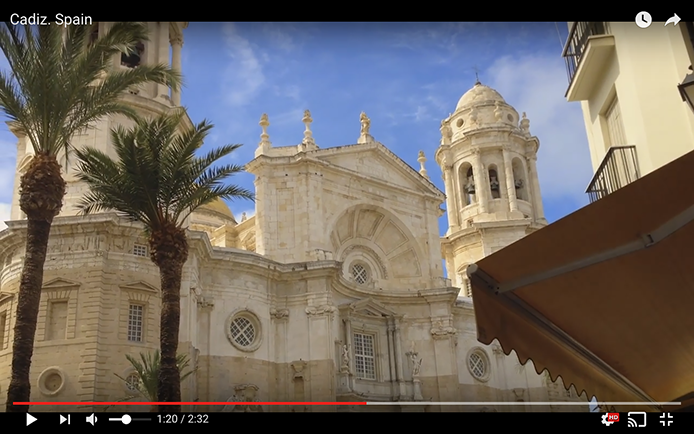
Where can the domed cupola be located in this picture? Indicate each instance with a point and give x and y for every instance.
(482, 108)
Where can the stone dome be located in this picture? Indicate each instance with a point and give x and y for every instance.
(219, 206)
(479, 94)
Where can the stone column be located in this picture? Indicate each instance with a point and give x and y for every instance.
(535, 187)
(398, 357)
(348, 341)
(395, 388)
(510, 181)
(176, 45)
(481, 182)
(451, 203)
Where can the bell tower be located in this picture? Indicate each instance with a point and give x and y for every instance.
(487, 156)
(163, 47)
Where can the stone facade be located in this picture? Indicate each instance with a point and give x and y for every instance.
(333, 291)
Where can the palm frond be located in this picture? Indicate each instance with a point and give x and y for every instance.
(147, 370)
(156, 177)
(62, 83)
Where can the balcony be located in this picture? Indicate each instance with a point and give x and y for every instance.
(619, 168)
(586, 52)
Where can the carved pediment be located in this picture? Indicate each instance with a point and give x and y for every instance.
(60, 283)
(376, 161)
(367, 307)
(4, 296)
(140, 286)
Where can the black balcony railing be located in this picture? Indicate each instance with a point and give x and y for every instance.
(577, 42)
(619, 168)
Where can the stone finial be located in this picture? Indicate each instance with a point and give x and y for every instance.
(365, 136)
(308, 135)
(243, 217)
(264, 137)
(365, 123)
(422, 159)
(525, 124)
(446, 131)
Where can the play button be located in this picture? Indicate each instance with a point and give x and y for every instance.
(30, 419)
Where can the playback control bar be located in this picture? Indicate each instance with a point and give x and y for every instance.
(582, 420)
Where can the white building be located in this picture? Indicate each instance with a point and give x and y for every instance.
(333, 291)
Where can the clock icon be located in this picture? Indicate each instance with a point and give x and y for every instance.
(644, 20)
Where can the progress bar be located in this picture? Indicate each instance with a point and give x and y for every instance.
(419, 403)
(581, 404)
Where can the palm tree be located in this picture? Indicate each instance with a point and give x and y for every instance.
(59, 85)
(157, 179)
(147, 370)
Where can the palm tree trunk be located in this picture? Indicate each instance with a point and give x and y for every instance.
(27, 314)
(169, 252)
(169, 386)
(42, 190)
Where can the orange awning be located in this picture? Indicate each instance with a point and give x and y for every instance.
(603, 298)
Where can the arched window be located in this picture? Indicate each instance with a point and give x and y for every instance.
(134, 59)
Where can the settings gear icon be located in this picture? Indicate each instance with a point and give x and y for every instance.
(605, 421)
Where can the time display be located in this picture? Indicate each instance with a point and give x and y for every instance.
(183, 419)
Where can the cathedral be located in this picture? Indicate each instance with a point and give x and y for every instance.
(333, 291)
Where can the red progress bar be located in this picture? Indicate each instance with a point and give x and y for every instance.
(190, 403)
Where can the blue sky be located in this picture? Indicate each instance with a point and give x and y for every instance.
(407, 77)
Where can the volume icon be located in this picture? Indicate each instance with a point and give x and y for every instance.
(91, 419)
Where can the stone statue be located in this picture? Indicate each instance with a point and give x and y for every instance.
(345, 356)
(525, 124)
(446, 132)
(416, 365)
(365, 124)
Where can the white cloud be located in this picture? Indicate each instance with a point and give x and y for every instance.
(244, 77)
(418, 36)
(281, 35)
(536, 85)
(288, 91)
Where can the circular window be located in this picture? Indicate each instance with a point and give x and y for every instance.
(460, 123)
(243, 331)
(132, 383)
(360, 274)
(510, 118)
(51, 381)
(478, 365)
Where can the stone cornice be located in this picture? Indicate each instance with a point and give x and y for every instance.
(258, 264)
(389, 297)
(69, 225)
(478, 227)
(10, 239)
(440, 295)
(314, 157)
(412, 172)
